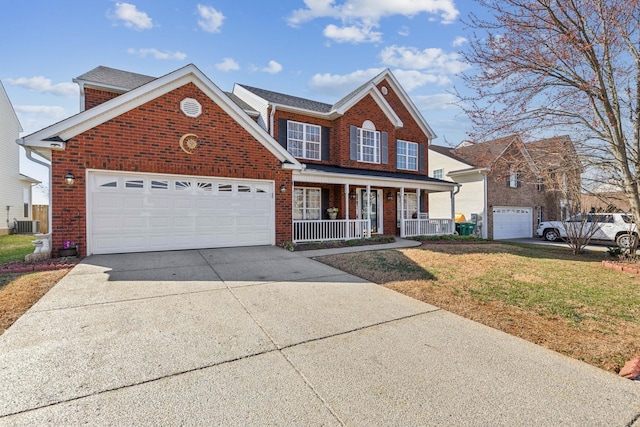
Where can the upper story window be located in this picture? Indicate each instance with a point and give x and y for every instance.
(438, 173)
(303, 140)
(368, 143)
(407, 155)
(514, 179)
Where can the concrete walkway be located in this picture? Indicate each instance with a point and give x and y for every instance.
(262, 336)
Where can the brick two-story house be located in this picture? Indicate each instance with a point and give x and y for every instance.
(508, 186)
(176, 163)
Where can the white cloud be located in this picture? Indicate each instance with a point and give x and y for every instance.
(157, 54)
(211, 19)
(404, 31)
(351, 34)
(272, 68)
(132, 17)
(228, 64)
(43, 85)
(371, 11)
(432, 59)
(437, 102)
(340, 85)
(36, 117)
(411, 79)
(459, 41)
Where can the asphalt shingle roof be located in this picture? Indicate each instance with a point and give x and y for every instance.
(117, 78)
(292, 101)
(377, 173)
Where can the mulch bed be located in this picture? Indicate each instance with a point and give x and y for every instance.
(41, 265)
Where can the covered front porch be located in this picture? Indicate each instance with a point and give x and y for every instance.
(332, 203)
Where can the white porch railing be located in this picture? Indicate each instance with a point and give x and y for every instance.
(322, 230)
(427, 227)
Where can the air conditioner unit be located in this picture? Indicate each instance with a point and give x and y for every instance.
(27, 227)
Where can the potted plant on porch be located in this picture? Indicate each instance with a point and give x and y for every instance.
(333, 213)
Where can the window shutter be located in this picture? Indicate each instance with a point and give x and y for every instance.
(282, 132)
(423, 201)
(353, 143)
(421, 158)
(324, 143)
(384, 148)
(324, 203)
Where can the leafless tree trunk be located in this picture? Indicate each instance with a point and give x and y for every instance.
(562, 66)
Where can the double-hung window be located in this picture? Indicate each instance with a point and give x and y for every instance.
(368, 146)
(303, 140)
(407, 155)
(306, 203)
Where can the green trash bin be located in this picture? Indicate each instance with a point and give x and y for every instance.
(458, 228)
(466, 228)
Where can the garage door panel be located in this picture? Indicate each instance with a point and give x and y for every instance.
(140, 212)
(512, 222)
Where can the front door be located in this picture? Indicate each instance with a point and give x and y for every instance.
(370, 207)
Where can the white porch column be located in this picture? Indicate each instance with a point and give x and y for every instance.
(368, 211)
(402, 214)
(346, 210)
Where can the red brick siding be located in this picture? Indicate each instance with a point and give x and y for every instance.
(93, 97)
(146, 140)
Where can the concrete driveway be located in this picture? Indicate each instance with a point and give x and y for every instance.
(262, 336)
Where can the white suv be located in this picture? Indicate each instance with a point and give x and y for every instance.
(607, 227)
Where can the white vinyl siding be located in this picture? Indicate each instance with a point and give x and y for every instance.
(407, 155)
(303, 140)
(306, 203)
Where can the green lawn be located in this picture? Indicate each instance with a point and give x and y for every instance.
(15, 247)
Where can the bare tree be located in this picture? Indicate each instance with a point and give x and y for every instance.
(562, 66)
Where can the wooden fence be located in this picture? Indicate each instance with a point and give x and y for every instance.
(41, 213)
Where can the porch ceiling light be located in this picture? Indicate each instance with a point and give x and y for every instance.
(69, 179)
(389, 196)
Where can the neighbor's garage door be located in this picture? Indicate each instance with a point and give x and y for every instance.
(145, 212)
(512, 222)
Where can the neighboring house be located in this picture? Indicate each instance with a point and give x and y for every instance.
(15, 188)
(606, 201)
(176, 163)
(507, 186)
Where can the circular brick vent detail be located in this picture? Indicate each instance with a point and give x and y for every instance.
(190, 107)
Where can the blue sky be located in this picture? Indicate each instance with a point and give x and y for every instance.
(317, 49)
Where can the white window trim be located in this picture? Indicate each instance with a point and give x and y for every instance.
(376, 147)
(304, 203)
(513, 179)
(406, 156)
(305, 142)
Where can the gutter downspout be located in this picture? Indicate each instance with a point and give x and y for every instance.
(271, 116)
(453, 206)
(29, 152)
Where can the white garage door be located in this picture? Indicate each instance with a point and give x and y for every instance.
(512, 222)
(148, 212)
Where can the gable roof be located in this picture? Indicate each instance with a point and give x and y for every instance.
(112, 78)
(53, 137)
(330, 111)
(554, 152)
(485, 154)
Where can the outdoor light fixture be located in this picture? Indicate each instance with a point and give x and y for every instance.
(352, 195)
(389, 196)
(283, 188)
(69, 179)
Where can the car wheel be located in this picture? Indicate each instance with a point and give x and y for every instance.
(625, 241)
(551, 235)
